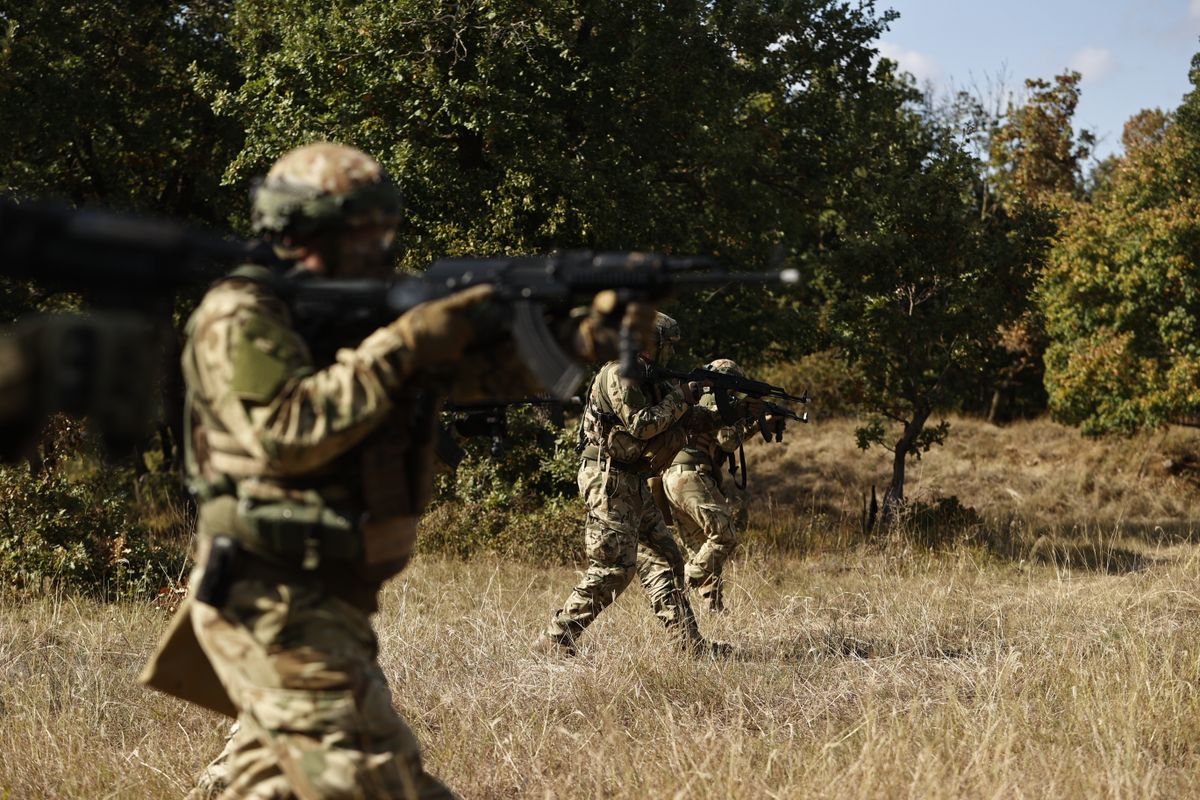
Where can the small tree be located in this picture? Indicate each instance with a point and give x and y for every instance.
(917, 282)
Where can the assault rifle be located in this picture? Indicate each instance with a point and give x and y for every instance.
(128, 262)
(721, 384)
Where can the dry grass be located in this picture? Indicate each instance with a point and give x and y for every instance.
(1026, 480)
(887, 670)
(889, 673)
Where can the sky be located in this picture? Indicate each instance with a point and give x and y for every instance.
(1133, 54)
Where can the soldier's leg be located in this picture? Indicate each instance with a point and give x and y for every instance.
(316, 715)
(610, 534)
(215, 776)
(660, 569)
(701, 502)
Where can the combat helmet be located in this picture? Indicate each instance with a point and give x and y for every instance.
(726, 367)
(321, 186)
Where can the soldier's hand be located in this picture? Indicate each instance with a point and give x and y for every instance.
(438, 331)
(691, 392)
(598, 336)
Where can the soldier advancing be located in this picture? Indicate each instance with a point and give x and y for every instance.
(309, 478)
(631, 432)
(699, 506)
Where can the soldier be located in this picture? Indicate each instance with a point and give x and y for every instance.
(631, 431)
(309, 478)
(702, 513)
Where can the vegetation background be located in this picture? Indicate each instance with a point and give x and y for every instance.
(1000, 338)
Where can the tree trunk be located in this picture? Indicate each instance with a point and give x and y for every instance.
(893, 499)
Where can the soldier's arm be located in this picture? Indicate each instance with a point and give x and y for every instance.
(643, 421)
(262, 385)
(730, 437)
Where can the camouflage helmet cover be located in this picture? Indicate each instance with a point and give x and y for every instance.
(726, 367)
(324, 185)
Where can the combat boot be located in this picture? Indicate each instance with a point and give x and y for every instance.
(554, 646)
(708, 648)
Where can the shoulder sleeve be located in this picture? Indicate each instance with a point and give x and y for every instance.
(256, 375)
(637, 415)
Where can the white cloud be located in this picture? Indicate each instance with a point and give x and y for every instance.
(1194, 9)
(1096, 62)
(924, 68)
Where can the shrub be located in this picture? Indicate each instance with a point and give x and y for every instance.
(70, 521)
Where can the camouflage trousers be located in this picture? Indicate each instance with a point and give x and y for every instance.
(315, 720)
(625, 534)
(704, 520)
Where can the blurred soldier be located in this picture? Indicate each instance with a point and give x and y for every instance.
(309, 478)
(630, 432)
(700, 508)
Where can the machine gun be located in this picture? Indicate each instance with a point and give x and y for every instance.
(127, 264)
(770, 418)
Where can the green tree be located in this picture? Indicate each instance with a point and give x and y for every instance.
(98, 104)
(1035, 152)
(689, 126)
(916, 282)
(1121, 295)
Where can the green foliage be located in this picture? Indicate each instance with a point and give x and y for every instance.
(1121, 295)
(518, 502)
(714, 128)
(71, 522)
(98, 103)
(918, 280)
(1035, 152)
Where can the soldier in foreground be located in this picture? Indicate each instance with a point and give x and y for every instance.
(699, 507)
(631, 432)
(309, 479)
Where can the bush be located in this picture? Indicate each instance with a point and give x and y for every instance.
(519, 502)
(70, 521)
(836, 387)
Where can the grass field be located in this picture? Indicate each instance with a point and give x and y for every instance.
(876, 670)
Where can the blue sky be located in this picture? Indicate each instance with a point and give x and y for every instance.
(1133, 54)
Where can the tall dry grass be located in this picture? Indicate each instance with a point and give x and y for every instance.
(886, 673)
(1025, 480)
(888, 670)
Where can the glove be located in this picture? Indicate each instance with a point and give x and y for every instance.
(598, 336)
(438, 331)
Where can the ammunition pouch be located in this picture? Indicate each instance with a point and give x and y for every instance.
(286, 532)
(623, 447)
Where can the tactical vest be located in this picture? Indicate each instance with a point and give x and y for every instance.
(355, 517)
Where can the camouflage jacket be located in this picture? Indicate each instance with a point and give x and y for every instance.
(640, 426)
(709, 448)
(338, 449)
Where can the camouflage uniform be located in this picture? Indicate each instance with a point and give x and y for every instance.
(700, 508)
(631, 433)
(309, 479)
